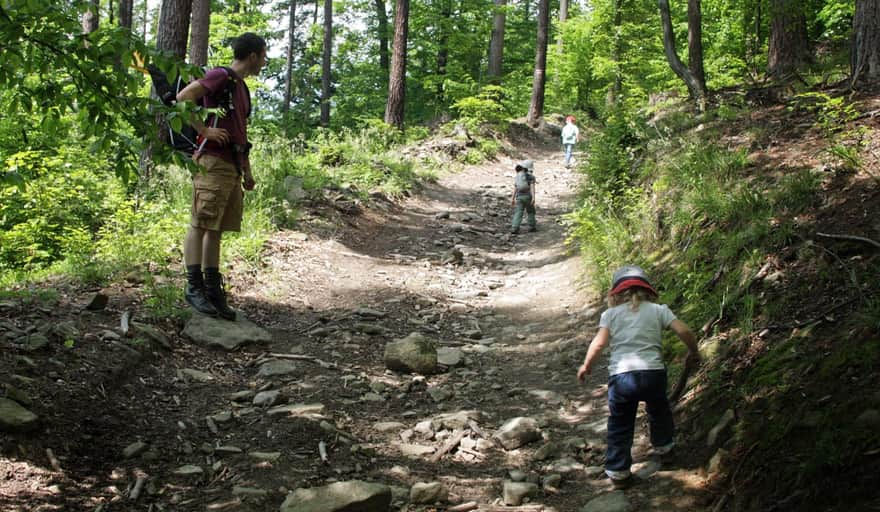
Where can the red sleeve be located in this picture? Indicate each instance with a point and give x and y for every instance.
(214, 80)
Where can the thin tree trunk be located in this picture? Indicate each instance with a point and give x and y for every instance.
(696, 91)
(616, 45)
(563, 15)
(496, 43)
(110, 19)
(536, 106)
(443, 47)
(291, 38)
(866, 41)
(695, 44)
(315, 14)
(126, 13)
(394, 108)
(201, 22)
(325, 62)
(382, 19)
(789, 44)
(146, 15)
(90, 17)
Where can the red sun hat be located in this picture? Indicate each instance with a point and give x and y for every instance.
(630, 276)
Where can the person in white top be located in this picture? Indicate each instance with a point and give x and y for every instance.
(570, 137)
(633, 326)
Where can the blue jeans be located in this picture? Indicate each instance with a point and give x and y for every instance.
(625, 391)
(568, 148)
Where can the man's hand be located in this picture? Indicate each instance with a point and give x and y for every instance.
(219, 135)
(513, 202)
(583, 371)
(249, 183)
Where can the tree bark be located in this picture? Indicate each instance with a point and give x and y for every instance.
(694, 87)
(110, 19)
(174, 27)
(382, 19)
(695, 43)
(443, 46)
(789, 45)
(291, 38)
(126, 13)
(536, 106)
(866, 41)
(201, 22)
(614, 91)
(496, 43)
(90, 17)
(563, 15)
(394, 108)
(325, 63)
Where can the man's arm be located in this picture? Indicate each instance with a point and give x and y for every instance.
(600, 341)
(193, 92)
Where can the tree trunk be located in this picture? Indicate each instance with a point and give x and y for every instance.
(866, 41)
(536, 106)
(201, 22)
(382, 18)
(110, 19)
(394, 108)
(695, 43)
(789, 45)
(315, 14)
(174, 27)
(90, 17)
(325, 63)
(563, 15)
(443, 47)
(694, 88)
(617, 85)
(291, 38)
(126, 13)
(496, 43)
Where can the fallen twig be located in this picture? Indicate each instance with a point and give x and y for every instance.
(322, 451)
(851, 237)
(125, 323)
(53, 461)
(138, 487)
(820, 316)
(303, 357)
(449, 446)
(505, 508)
(464, 507)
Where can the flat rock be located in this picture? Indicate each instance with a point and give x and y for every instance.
(277, 368)
(515, 492)
(415, 450)
(350, 496)
(518, 432)
(448, 356)
(428, 492)
(612, 502)
(296, 409)
(414, 353)
(14, 417)
(216, 332)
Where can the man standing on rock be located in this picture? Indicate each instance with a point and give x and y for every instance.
(223, 153)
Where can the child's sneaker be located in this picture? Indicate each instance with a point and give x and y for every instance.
(665, 453)
(623, 483)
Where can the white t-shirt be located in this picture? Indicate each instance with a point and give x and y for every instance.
(569, 134)
(636, 336)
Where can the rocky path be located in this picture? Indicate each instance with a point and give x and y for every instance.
(312, 414)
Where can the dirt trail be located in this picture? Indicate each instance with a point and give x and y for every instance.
(185, 422)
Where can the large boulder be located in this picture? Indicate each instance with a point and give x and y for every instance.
(415, 353)
(350, 496)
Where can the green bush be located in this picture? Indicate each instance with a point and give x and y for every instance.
(486, 108)
(66, 198)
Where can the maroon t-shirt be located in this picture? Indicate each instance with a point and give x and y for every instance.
(235, 121)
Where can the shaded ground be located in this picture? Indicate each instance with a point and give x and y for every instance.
(513, 305)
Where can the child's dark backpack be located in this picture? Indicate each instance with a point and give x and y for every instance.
(185, 139)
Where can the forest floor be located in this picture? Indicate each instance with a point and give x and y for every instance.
(132, 427)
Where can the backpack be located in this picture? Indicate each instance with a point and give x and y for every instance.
(186, 139)
(524, 180)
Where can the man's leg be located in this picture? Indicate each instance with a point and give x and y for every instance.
(567, 154)
(519, 206)
(214, 289)
(530, 211)
(194, 293)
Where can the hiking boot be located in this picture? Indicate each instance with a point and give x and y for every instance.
(195, 297)
(623, 483)
(514, 231)
(532, 229)
(216, 295)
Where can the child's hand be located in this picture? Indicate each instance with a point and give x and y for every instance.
(583, 371)
(693, 360)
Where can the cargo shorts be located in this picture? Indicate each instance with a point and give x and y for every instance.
(217, 200)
